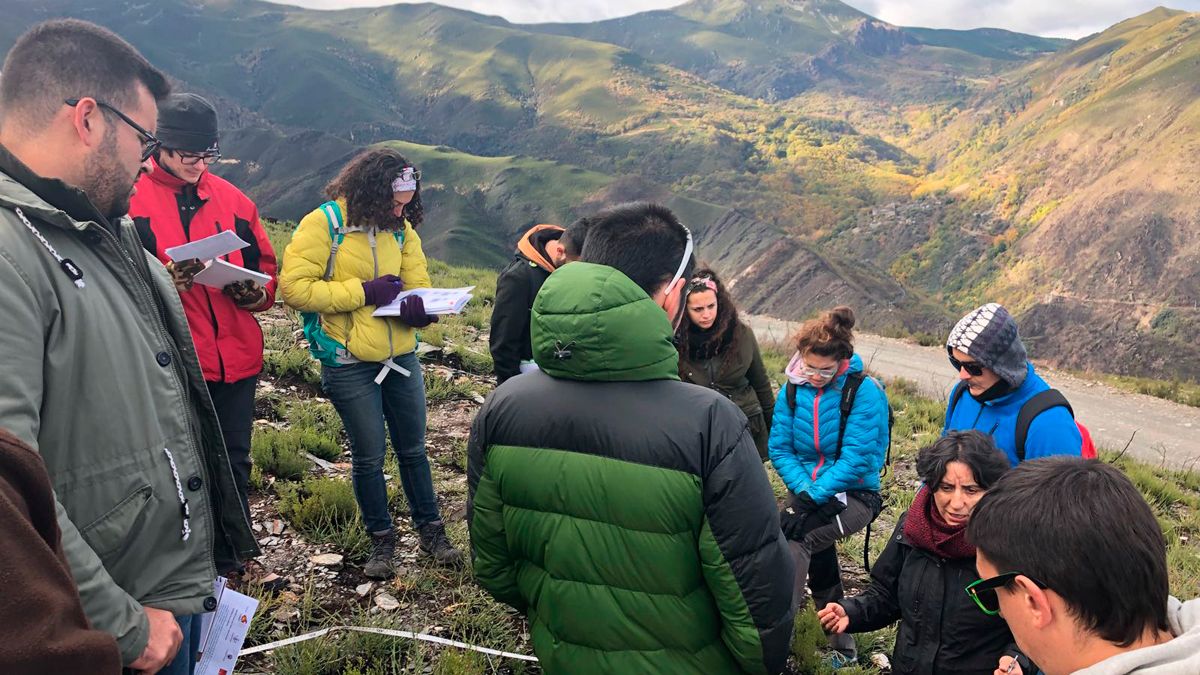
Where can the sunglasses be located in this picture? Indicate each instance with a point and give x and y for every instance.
(150, 144)
(973, 368)
(983, 592)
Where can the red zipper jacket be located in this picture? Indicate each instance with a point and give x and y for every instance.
(168, 212)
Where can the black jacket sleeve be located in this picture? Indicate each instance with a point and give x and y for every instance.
(879, 605)
(510, 320)
(750, 575)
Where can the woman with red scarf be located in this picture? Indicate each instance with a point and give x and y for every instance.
(921, 576)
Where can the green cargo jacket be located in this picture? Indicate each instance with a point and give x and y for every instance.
(104, 382)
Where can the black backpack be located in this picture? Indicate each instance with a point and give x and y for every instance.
(849, 392)
(1040, 403)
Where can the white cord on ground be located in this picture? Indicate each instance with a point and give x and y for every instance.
(383, 631)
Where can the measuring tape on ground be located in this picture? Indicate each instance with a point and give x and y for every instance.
(383, 631)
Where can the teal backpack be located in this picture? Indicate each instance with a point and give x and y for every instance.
(323, 348)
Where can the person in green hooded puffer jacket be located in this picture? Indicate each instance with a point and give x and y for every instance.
(635, 527)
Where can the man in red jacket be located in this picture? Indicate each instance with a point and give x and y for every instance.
(182, 201)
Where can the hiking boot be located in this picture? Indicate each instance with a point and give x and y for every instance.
(383, 547)
(435, 544)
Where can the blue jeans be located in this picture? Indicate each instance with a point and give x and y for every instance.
(363, 406)
(184, 662)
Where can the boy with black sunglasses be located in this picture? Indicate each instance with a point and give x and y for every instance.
(997, 383)
(1072, 557)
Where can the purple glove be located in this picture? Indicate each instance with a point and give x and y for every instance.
(412, 312)
(382, 291)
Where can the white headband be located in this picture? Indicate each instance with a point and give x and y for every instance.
(407, 180)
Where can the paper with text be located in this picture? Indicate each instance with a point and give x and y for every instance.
(224, 630)
(219, 244)
(437, 301)
(220, 274)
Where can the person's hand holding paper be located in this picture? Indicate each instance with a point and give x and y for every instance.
(183, 273)
(245, 294)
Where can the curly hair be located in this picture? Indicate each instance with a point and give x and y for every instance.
(721, 335)
(366, 185)
(831, 334)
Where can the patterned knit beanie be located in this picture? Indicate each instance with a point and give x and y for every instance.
(989, 335)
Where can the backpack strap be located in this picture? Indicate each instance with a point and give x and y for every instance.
(790, 390)
(849, 393)
(1040, 403)
(956, 395)
(337, 232)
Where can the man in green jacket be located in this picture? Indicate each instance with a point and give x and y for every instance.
(635, 527)
(99, 374)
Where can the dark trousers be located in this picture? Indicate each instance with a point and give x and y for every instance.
(234, 402)
(817, 564)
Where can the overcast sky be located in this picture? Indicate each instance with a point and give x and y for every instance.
(1060, 18)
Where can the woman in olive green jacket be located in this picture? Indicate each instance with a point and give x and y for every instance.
(718, 351)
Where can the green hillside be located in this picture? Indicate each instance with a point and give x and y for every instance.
(776, 49)
(1066, 193)
(820, 154)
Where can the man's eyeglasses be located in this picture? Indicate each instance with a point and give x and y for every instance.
(194, 158)
(983, 592)
(973, 368)
(150, 144)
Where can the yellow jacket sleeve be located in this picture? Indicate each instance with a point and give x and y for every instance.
(414, 271)
(302, 280)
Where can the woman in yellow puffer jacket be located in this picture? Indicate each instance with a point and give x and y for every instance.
(369, 367)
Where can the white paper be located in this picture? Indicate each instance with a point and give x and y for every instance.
(219, 244)
(223, 631)
(437, 300)
(220, 274)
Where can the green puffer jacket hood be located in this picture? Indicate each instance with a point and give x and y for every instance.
(591, 322)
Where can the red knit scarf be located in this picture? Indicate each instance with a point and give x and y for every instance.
(926, 530)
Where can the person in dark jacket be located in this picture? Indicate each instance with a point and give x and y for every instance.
(921, 577)
(635, 526)
(993, 367)
(182, 201)
(42, 625)
(718, 351)
(833, 475)
(539, 253)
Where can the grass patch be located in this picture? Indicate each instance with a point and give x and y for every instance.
(292, 363)
(324, 510)
(279, 453)
(1179, 391)
(439, 389)
(317, 416)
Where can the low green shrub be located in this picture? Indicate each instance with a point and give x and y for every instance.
(275, 452)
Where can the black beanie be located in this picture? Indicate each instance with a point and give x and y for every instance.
(187, 122)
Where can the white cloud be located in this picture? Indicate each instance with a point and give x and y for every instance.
(1062, 18)
(520, 11)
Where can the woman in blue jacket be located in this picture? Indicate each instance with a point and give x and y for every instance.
(833, 476)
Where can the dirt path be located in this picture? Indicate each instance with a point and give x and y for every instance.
(1165, 431)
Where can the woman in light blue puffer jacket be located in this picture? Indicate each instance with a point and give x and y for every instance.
(830, 468)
